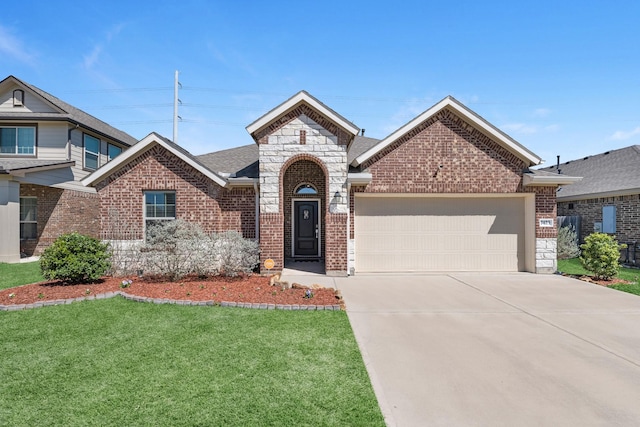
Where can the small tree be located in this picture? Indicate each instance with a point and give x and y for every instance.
(600, 255)
(568, 243)
(75, 258)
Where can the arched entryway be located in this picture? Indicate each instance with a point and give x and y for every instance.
(304, 190)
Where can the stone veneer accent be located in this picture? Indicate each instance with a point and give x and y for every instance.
(284, 144)
(294, 150)
(546, 256)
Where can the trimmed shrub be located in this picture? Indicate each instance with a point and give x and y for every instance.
(568, 243)
(600, 255)
(75, 258)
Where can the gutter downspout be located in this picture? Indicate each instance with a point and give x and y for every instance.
(257, 209)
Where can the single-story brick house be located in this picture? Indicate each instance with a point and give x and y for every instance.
(607, 199)
(448, 191)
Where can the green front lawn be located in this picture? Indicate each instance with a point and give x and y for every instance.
(573, 266)
(117, 362)
(19, 274)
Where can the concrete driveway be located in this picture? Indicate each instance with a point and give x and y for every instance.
(497, 350)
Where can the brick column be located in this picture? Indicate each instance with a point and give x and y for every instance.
(271, 241)
(336, 244)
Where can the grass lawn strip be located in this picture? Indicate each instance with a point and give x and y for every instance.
(574, 267)
(19, 274)
(115, 362)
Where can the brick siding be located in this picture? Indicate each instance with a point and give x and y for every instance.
(59, 212)
(303, 171)
(627, 215)
(198, 199)
(471, 163)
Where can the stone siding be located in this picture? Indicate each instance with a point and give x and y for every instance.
(303, 147)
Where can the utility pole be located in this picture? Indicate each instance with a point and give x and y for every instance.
(176, 117)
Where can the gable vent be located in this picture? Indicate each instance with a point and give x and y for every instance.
(18, 98)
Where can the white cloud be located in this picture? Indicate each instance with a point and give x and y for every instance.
(541, 112)
(407, 112)
(93, 57)
(12, 46)
(621, 135)
(520, 128)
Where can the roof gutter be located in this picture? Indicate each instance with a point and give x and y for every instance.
(544, 180)
(359, 178)
(21, 172)
(242, 182)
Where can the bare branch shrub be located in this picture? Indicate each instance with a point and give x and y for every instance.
(174, 249)
(124, 242)
(568, 243)
(233, 254)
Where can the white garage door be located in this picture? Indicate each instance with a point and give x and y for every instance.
(395, 234)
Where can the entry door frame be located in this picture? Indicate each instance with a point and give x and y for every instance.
(293, 227)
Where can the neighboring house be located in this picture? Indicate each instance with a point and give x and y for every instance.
(608, 197)
(446, 192)
(46, 147)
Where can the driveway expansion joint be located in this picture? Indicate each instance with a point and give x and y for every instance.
(537, 317)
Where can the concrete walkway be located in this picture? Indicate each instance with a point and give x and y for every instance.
(497, 350)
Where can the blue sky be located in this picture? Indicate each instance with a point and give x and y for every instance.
(560, 77)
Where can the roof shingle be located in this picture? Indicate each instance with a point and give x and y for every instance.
(608, 172)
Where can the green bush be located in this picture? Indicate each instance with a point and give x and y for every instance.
(600, 255)
(568, 243)
(75, 258)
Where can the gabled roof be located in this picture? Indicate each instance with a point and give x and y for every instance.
(141, 147)
(19, 167)
(66, 112)
(237, 162)
(467, 115)
(302, 97)
(615, 172)
(243, 161)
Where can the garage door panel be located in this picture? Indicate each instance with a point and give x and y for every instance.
(439, 234)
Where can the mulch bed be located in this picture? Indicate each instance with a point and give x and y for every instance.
(590, 279)
(246, 289)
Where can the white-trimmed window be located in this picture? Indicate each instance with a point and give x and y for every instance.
(305, 189)
(28, 218)
(18, 140)
(159, 206)
(91, 152)
(113, 151)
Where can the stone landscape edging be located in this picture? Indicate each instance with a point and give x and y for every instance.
(212, 303)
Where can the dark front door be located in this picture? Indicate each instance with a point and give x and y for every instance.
(306, 229)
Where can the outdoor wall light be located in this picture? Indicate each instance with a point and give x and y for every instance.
(338, 197)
